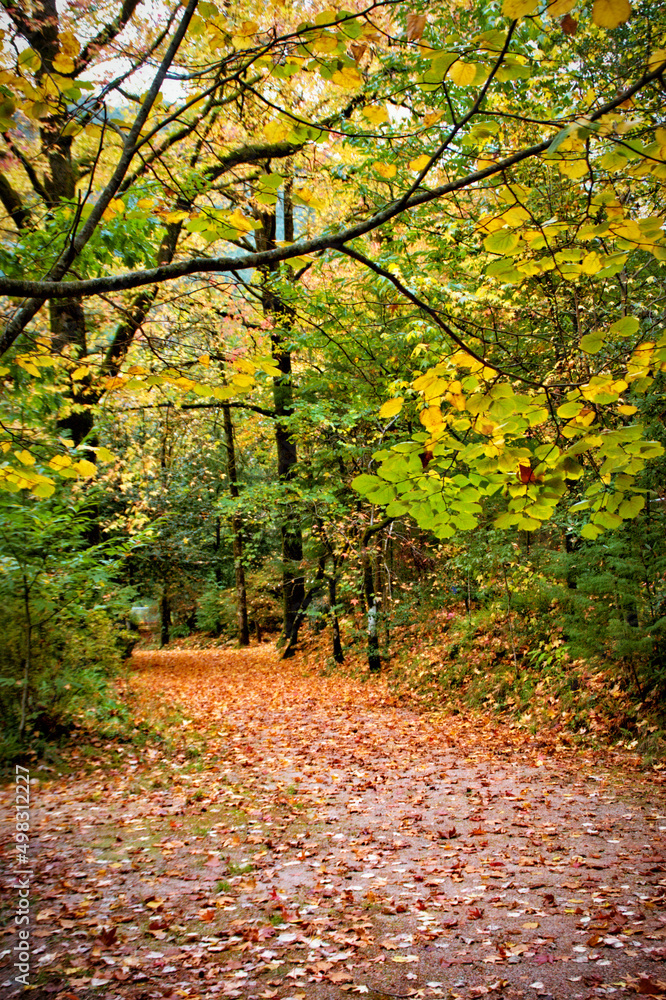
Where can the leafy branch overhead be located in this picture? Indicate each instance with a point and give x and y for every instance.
(495, 174)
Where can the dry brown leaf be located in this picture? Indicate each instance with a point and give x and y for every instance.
(415, 26)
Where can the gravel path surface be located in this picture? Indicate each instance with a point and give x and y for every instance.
(303, 837)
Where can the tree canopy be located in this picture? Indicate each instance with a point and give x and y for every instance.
(300, 318)
(495, 170)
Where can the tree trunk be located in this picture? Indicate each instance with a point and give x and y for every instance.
(293, 580)
(218, 544)
(371, 603)
(237, 529)
(290, 647)
(374, 659)
(338, 654)
(165, 618)
(27, 663)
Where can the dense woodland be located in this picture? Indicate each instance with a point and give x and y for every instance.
(338, 327)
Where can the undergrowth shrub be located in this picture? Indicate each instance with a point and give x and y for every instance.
(534, 648)
(69, 683)
(61, 646)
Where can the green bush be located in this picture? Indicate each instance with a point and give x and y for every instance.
(73, 661)
(61, 648)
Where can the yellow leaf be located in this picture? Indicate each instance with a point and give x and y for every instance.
(248, 28)
(63, 64)
(391, 407)
(628, 229)
(145, 204)
(591, 263)
(325, 43)
(69, 45)
(375, 114)
(386, 170)
(60, 462)
(462, 74)
(518, 8)
(37, 110)
(30, 59)
(610, 13)
(176, 216)
(573, 168)
(85, 468)
(309, 197)
(483, 162)
(484, 426)
(24, 457)
(420, 162)
(656, 59)
(530, 268)
(514, 216)
(627, 410)
(431, 418)
(435, 116)
(28, 366)
(104, 455)
(239, 221)
(325, 17)
(277, 131)
(559, 7)
(456, 399)
(348, 76)
(245, 365)
(115, 207)
(80, 373)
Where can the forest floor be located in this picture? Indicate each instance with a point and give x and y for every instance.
(303, 837)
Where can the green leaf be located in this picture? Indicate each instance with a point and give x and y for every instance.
(43, 490)
(364, 483)
(570, 409)
(503, 242)
(606, 519)
(626, 327)
(592, 343)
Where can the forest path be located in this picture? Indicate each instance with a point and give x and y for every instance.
(307, 838)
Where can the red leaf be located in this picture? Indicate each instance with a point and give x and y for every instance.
(526, 474)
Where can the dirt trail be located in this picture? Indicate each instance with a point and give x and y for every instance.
(307, 838)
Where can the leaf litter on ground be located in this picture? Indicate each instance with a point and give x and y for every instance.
(305, 836)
